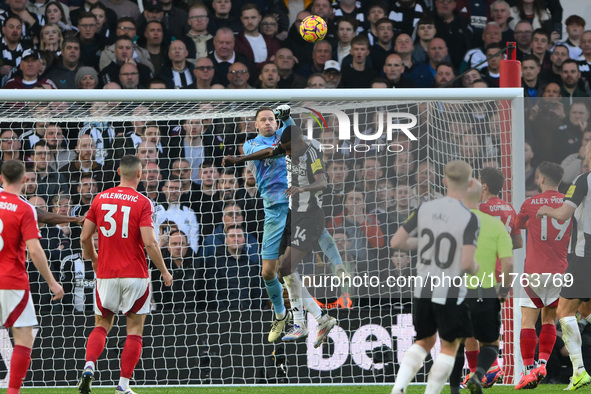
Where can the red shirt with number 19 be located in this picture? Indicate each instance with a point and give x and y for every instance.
(18, 224)
(119, 213)
(547, 238)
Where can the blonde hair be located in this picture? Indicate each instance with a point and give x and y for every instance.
(458, 173)
(60, 39)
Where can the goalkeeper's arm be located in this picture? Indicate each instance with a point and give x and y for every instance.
(258, 155)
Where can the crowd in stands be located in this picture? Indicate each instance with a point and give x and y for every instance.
(209, 218)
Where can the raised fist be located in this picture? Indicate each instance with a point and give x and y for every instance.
(282, 112)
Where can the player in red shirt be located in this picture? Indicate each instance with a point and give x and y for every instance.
(547, 245)
(492, 180)
(18, 230)
(124, 221)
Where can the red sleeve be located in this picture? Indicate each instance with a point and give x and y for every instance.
(522, 218)
(147, 211)
(29, 227)
(374, 234)
(91, 214)
(513, 223)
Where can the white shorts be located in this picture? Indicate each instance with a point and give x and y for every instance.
(541, 296)
(17, 309)
(122, 294)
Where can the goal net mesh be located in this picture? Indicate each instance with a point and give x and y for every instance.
(211, 327)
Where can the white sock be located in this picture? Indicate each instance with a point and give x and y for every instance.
(124, 383)
(89, 364)
(309, 301)
(411, 363)
(439, 373)
(572, 339)
(294, 289)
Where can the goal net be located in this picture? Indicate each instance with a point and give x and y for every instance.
(384, 153)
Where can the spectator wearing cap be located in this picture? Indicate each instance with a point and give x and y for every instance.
(332, 74)
(394, 72)
(425, 33)
(179, 74)
(221, 17)
(123, 8)
(30, 66)
(238, 77)
(257, 48)
(12, 44)
(384, 45)
(86, 78)
(356, 72)
(31, 21)
(124, 54)
(64, 72)
(224, 55)
(455, 31)
(288, 79)
(198, 39)
(406, 14)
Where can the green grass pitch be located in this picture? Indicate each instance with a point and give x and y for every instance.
(326, 389)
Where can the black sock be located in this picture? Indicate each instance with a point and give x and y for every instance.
(487, 356)
(456, 373)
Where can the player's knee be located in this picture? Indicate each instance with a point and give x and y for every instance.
(268, 272)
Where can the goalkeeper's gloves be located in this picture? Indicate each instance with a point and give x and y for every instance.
(282, 112)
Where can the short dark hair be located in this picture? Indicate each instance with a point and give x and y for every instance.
(13, 171)
(533, 58)
(493, 178)
(177, 231)
(290, 133)
(69, 39)
(352, 21)
(552, 171)
(575, 20)
(127, 19)
(569, 61)
(494, 45)
(85, 14)
(360, 40)
(261, 109)
(250, 6)
(425, 20)
(541, 32)
(385, 20)
(206, 164)
(232, 227)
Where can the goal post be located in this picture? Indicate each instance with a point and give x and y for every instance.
(212, 328)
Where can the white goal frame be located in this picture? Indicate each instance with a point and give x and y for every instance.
(513, 95)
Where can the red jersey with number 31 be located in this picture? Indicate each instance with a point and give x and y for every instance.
(547, 238)
(119, 213)
(18, 224)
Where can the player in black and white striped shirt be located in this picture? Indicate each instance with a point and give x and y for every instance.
(447, 235)
(577, 204)
(306, 181)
